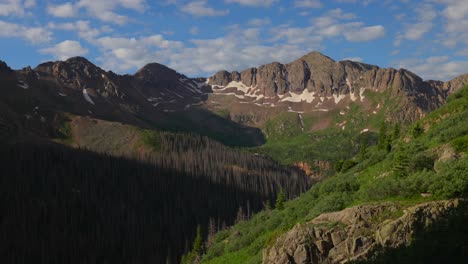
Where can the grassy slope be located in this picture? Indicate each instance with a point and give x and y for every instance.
(433, 162)
(287, 143)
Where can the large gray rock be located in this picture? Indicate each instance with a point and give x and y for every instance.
(353, 233)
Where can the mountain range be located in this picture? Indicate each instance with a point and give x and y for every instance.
(354, 132)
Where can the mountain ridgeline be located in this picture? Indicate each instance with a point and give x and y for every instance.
(315, 82)
(97, 167)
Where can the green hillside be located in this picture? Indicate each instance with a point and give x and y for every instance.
(418, 162)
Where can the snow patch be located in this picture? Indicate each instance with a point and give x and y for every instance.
(23, 85)
(299, 112)
(86, 96)
(342, 113)
(297, 98)
(62, 94)
(349, 84)
(337, 98)
(365, 130)
(353, 96)
(361, 93)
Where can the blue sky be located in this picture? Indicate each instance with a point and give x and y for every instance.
(200, 37)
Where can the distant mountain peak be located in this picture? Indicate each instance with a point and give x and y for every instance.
(4, 66)
(316, 56)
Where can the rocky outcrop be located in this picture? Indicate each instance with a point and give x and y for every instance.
(324, 83)
(357, 232)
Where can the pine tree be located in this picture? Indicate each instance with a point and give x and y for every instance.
(280, 201)
(267, 205)
(211, 232)
(417, 130)
(382, 136)
(363, 148)
(401, 164)
(240, 215)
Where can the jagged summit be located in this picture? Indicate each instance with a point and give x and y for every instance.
(316, 56)
(4, 66)
(156, 72)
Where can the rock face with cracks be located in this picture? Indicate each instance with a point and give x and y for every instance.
(355, 233)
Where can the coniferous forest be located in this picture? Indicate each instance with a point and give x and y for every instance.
(64, 205)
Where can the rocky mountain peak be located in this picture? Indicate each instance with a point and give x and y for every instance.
(154, 72)
(76, 71)
(317, 57)
(4, 66)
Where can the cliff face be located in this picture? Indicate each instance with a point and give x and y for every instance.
(358, 232)
(323, 83)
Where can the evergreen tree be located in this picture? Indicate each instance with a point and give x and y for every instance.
(280, 201)
(363, 148)
(196, 250)
(382, 136)
(267, 206)
(401, 164)
(417, 130)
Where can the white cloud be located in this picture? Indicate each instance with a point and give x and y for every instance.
(200, 8)
(15, 7)
(105, 9)
(362, 2)
(456, 23)
(63, 10)
(258, 22)
(65, 50)
(127, 53)
(29, 3)
(308, 3)
(362, 34)
(253, 2)
(463, 52)
(238, 50)
(83, 28)
(358, 59)
(34, 35)
(435, 68)
(422, 24)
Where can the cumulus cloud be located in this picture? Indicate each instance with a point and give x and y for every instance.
(258, 22)
(456, 23)
(200, 8)
(63, 10)
(15, 7)
(34, 35)
(361, 34)
(308, 3)
(105, 9)
(253, 2)
(127, 53)
(200, 56)
(83, 28)
(423, 23)
(65, 50)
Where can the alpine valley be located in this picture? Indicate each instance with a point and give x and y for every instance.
(314, 161)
